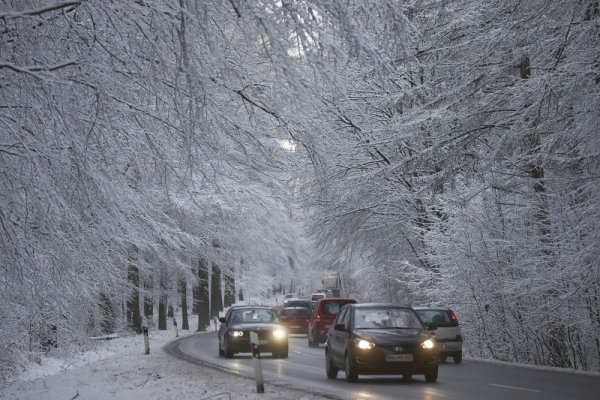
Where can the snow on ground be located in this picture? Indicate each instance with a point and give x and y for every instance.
(119, 369)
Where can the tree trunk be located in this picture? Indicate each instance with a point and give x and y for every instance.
(184, 309)
(229, 288)
(162, 304)
(201, 303)
(148, 302)
(134, 318)
(216, 299)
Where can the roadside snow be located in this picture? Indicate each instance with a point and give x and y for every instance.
(119, 369)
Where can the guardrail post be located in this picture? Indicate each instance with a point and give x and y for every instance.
(260, 387)
(146, 340)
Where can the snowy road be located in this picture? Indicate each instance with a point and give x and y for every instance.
(304, 369)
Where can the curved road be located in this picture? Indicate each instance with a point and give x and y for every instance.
(471, 380)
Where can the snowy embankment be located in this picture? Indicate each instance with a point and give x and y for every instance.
(119, 369)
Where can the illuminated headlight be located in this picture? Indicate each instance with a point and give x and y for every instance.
(236, 333)
(279, 334)
(428, 344)
(364, 344)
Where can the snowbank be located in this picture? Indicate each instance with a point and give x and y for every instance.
(119, 369)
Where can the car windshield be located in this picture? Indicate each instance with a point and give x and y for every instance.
(383, 318)
(253, 315)
(332, 307)
(297, 303)
(437, 318)
(295, 312)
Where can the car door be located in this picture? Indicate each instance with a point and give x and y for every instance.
(337, 339)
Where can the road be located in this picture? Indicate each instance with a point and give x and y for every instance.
(471, 380)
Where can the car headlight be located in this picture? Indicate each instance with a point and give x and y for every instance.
(428, 344)
(279, 334)
(236, 333)
(363, 344)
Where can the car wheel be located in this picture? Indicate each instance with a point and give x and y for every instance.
(457, 358)
(443, 358)
(431, 375)
(330, 368)
(221, 352)
(351, 374)
(312, 342)
(228, 352)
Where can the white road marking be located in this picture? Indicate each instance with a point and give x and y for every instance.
(515, 388)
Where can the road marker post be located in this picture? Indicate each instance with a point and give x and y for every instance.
(260, 387)
(146, 340)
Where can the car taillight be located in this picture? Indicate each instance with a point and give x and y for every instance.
(453, 317)
(318, 317)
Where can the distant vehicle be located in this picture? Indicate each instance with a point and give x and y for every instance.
(317, 296)
(448, 334)
(234, 332)
(322, 318)
(290, 296)
(295, 319)
(333, 283)
(380, 339)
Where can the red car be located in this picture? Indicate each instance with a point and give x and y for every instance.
(295, 319)
(322, 318)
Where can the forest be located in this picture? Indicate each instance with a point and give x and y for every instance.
(160, 154)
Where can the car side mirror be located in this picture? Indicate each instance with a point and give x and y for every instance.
(222, 320)
(430, 327)
(340, 327)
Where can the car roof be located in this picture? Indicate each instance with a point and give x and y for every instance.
(294, 308)
(336, 299)
(382, 305)
(252, 307)
(430, 308)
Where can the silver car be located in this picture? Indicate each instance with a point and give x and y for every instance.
(447, 333)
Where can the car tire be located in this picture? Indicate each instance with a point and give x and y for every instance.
(228, 352)
(351, 373)
(330, 368)
(313, 342)
(221, 352)
(458, 358)
(443, 358)
(431, 375)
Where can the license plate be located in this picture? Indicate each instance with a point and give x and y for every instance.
(399, 357)
(295, 326)
(263, 342)
(441, 345)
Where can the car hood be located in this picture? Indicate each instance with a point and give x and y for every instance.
(391, 336)
(255, 326)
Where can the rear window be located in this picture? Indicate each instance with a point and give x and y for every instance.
(437, 318)
(298, 303)
(298, 312)
(332, 307)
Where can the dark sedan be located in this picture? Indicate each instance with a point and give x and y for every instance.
(234, 332)
(375, 339)
(295, 319)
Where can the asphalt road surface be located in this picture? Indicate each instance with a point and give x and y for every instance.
(472, 380)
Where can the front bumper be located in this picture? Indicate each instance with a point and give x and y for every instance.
(378, 360)
(266, 344)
